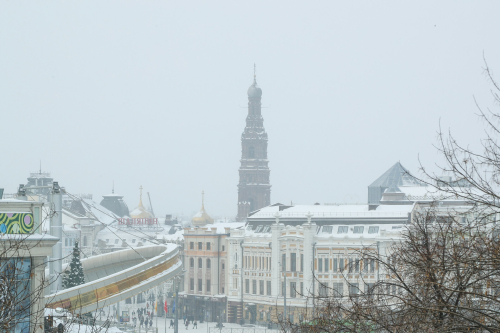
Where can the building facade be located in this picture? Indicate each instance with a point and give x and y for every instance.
(254, 187)
(315, 246)
(23, 253)
(205, 280)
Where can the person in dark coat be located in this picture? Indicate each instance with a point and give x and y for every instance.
(195, 324)
(171, 324)
(142, 322)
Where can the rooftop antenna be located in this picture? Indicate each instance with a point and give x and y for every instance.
(40, 166)
(254, 73)
(113, 189)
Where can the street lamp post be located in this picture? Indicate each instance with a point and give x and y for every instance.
(176, 304)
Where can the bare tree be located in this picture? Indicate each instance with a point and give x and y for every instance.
(443, 273)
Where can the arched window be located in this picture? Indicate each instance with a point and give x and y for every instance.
(200, 263)
(209, 263)
(84, 240)
(252, 205)
(191, 262)
(251, 152)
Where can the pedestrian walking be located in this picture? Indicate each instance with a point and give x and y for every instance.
(184, 318)
(141, 322)
(150, 322)
(195, 324)
(171, 324)
(187, 324)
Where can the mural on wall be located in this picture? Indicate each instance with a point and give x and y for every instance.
(16, 223)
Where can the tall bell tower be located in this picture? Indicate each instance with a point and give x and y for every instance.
(254, 188)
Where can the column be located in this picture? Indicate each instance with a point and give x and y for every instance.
(309, 231)
(275, 256)
(38, 284)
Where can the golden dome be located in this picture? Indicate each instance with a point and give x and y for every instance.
(140, 212)
(202, 218)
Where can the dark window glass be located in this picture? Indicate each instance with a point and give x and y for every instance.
(200, 284)
(293, 262)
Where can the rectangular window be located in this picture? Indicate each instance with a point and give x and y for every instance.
(358, 230)
(16, 274)
(326, 264)
(283, 262)
(341, 265)
(365, 266)
(293, 262)
(269, 288)
(254, 287)
(191, 284)
(247, 286)
(327, 229)
(369, 288)
(320, 265)
(208, 285)
(200, 246)
(372, 230)
(261, 287)
(302, 289)
(342, 230)
(356, 265)
(223, 248)
(335, 264)
(323, 289)
(353, 289)
(351, 265)
(191, 246)
(200, 285)
(372, 265)
(208, 246)
(293, 289)
(338, 289)
(301, 262)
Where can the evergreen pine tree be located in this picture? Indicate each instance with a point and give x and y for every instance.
(73, 275)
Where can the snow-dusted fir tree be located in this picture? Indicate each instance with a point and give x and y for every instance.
(73, 275)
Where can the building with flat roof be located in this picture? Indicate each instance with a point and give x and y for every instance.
(23, 253)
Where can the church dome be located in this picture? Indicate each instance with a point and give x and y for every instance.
(254, 90)
(202, 218)
(140, 212)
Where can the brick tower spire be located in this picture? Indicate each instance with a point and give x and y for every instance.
(254, 188)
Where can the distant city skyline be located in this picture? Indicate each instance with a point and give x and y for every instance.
(154, 94)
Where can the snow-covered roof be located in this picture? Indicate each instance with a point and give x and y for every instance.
(397, 175)
(332, 211)
(101, 213)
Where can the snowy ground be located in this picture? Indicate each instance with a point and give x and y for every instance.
(203, 327)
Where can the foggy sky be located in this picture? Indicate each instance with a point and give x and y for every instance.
(153, 93)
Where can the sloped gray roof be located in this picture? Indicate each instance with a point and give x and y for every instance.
(396, 176)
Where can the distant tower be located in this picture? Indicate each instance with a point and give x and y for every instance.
(254, 188)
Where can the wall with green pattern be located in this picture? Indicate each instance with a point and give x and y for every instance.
(16, 223)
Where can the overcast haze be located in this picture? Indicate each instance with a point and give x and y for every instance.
(153, 93)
